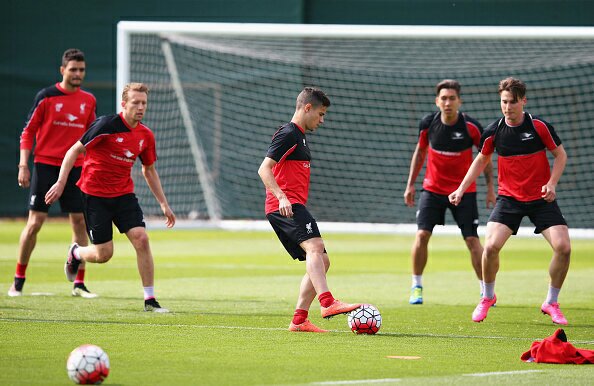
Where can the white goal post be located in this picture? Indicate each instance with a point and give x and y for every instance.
(218, 90)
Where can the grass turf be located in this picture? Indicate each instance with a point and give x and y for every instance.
(232, 295)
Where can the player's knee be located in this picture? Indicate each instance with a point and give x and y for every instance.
(326, 261)
(314, 246)
(563, 249)
(491, 251)
(140, 240)
(104, 255)
(423, 237)
(78, 222)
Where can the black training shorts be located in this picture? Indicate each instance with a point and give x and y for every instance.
(124, 211)
(293, 231)
(44, 176)
(432, 208)
(543, 214)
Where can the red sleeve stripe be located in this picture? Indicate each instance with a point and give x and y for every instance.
(287, 153)
(474, 132)
(544, 134)
(488, 146)
(423, 140)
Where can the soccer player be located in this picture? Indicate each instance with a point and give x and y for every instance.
(446, 138)
(526, 188)
(60, 115)
(285, 173)
(112, 144)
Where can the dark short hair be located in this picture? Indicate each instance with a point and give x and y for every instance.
(448, 84)
(314, 96)
(513, 85)
(72, 54)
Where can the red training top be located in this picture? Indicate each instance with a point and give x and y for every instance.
(56, 121)
(112, 147)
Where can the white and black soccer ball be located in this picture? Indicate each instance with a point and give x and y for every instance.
(365, 320)
(88, 365)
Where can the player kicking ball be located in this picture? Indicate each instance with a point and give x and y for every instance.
(285, 172)
(112, 144)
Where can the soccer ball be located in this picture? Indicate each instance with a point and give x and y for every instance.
(88, 365)
(365, 320)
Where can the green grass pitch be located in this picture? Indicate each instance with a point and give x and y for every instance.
(232, 295)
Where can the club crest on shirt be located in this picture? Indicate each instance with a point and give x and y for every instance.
(82, 108)
(140, 143)
(59, 107)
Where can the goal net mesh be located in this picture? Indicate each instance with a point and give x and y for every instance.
(239, 89)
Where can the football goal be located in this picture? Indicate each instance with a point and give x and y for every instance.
(220, 90)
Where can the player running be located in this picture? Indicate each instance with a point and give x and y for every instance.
(285, 172)
(60, 115)
(526, 188)
(112, 145)
(446, 138)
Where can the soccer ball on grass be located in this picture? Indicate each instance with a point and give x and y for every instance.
(87, 365)
(365, 320)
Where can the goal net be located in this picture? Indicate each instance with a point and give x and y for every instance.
(219, 91)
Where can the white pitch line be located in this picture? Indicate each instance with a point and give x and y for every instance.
(443, 336)
(358, 382)
(502, 373)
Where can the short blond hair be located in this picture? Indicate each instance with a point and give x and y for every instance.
(140, 87)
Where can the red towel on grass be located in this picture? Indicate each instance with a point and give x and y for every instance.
(556, 349)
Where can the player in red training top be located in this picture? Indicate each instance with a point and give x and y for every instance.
(526, 188)
(285, 172)
(112, 145)
(60, 115)
(446, 139)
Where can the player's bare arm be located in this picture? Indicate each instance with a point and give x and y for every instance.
(416, 164)
(491, 197)
(477, 167)
(154, 183)
(69, 159)
(24, 176)
(267, 176)
(549, 190)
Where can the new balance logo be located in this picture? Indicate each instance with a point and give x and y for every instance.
(526, 136)
(457, 135)
(119, 139)
(308, 228)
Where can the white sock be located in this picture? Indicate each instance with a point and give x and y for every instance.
(489, 290)
(149, 292)
(417, 280)
(482, 285)
(553, 295)
(76, 254)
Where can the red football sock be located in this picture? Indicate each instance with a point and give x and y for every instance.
(80, 276)
(326, 299)
(299, 316)
(20, 271)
